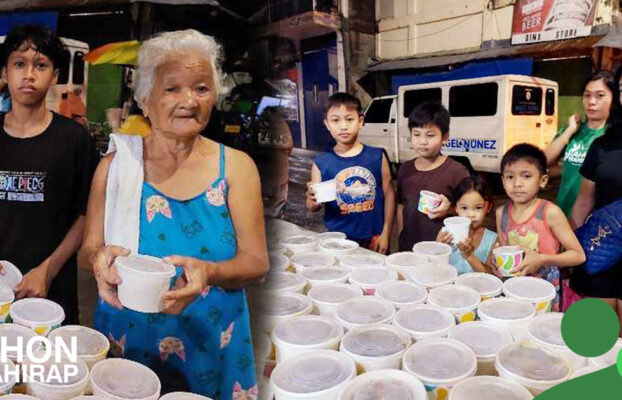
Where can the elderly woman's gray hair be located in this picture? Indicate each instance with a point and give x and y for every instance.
(156, 50)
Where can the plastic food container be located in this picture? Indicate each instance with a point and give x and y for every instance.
(327, 298)
(314, 259)
(533, 367)
(507, 258)
(304, 334)
(440, 364)
(366, 310)
(7, 297)
(116, 378)
(458, 227)
(402, 293)
(92, 346)
(374, 347)
(608, 359)
(276, 249)
(331, 235)
(584, 371)
(538, 292)
(546, 331)
(369, 279)
(320, 375)
(40, 315)
(17, 396)
(431, 276)
(145, 280)
(338, 247)
(7, 387)
(12, 332)
(355, 261)
(325, 191)
(262, 349)
(325, 275)
(461, 301)
(384, 384)
(12, 275)
(404, 261)
(273, 309)
(61, 387)
(280, 263)
(512, 315)
(282, 282)
(489, 388)
(428, 201)
(299, 244)
(183, 396)
(485, 340)
(433, 252)
(487, 285)
(425, 321)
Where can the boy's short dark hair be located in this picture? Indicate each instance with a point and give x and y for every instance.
(527, 152)
(344, 99)
(41, 38)
(429, 113)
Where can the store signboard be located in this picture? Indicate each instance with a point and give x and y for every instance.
(546, 20)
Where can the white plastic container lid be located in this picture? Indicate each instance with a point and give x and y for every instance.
(17, 396)
(535, 290)
(89, 342)
(183, 396)
(432, 249)
(312, 373)
(432, 275)
(404, 259)
(373, 276)
(379, 340)
(425, 319)
(547, 329)
(278, 262)
(387, 384)
(37, 311)
(342, 246)
(331, 235)
(584, 371)
(484, 339)
(278, 282)
(355, 261)
(283, 304)
(609, 358)
(454, 298)
(487, 285)
(529, 361)
(12, 275)
(323, 274)
(506, 309)
(489, 388)
(334, 293)
(14, 331)
(308, 330)
(57, 380)
(402, 293)
(146, 266)
(298, 240)
(365, 310)
(312, 259)
(124, 378)
(6, 294)
(440, 361)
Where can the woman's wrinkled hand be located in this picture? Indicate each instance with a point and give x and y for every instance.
(194, 281)
(106, 273)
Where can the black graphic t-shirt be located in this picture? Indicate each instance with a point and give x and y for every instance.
(44, 187)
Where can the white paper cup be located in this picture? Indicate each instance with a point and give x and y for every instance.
(281, 282)
(92, 345)
(431, 276)
(489, 388)
(428, 201)
(320, 375)
(7, 296)
(461, 301)
(510, 314)
(325, 191)
(271, 310)
(433, 252)
(608, 359)
(458, 227)
(313, 259)
(485, 340)
(183, 396)
(299, 243)
(440, 364)
(507, 258)
(384, 384)
(331, 235)
(12, 275)
(404, 261)
(40, 315)
(366, 310)
(424, 321)
(121, 379)
(516, 362)
(369, 279)
(402, 293)
(356, 261)
(145, 280)
(326, 298)
(280, 263)
(58, 389)
(305, 334)
(546, 331)
(374, 347)
(325, 276)
(488, 286)
(538, 292)
(338, 247)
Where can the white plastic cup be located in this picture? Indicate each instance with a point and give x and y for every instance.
(431, 276)
(281, 282)
(537, 291)
(184, 396)
(366, 310)
(384, 384)
(313, 259)
(326, 298)
(510, 314)
(338, 247)
(320, 375)
(40, 315)
(608, 359)
(12, 275)
(402, 293)
(325, 191)
(299, 243)
(280, 263)
(489, 388)
(428, 201)
(356, 261)
(516, 362)
(433, 252)
(404, 261)
(370, 279)
(373, 347)
(92, 345)
(305, 334)
(461, 301)
(145, 280)
(485, 340)
(331, 235)
(440, 364)
(7, 297)
(488, 286)
(58, 390)
(458, 227)
(118, 379)
(273, 309)
(424, 321)
(546, 331)
(507, 258)
(325, 276)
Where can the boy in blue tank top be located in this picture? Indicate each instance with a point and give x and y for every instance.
(365, 201)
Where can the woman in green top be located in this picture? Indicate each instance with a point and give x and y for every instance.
(572, 143)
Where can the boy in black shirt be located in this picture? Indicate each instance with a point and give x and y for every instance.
(46, 166)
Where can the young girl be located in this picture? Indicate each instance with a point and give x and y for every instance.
(474, 202)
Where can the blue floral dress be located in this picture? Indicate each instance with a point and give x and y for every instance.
(209, 344)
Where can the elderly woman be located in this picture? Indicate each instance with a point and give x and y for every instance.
(199, 204)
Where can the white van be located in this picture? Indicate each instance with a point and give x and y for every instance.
(488, 116)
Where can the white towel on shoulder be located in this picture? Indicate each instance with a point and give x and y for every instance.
(123, 192)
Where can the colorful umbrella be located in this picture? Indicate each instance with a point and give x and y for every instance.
(122, 53)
